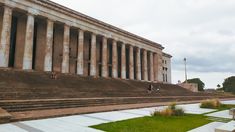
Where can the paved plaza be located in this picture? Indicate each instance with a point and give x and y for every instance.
(208, 127)
(81, 123)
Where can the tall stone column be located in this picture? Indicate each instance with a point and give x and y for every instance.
(138, 65)
(93, 55)
(151, 66)
(131, 63)
(80, 61)
(49, 46)
(155, 63)
(145, 65)
(65, 61)
(123, 61)
(104, 58)
(5, 37)
(160, 65)
(28, 49)
(114, 60)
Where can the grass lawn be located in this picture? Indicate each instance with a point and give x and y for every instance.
(156, 124)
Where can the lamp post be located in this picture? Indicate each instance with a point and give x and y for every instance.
(185, 70)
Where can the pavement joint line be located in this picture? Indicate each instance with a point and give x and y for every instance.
(133, 113)
(26, 127)
(97, 118)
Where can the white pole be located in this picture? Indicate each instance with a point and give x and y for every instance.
(185, 69)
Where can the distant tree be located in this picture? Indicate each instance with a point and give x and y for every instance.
(198, 81)
(219, 88)
(229, 84)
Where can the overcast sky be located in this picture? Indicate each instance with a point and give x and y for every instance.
(203, 31)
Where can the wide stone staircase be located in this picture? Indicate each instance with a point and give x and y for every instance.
(25, 91)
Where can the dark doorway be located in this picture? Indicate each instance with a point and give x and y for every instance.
(127, 63)
(12, 42)
(34, 45)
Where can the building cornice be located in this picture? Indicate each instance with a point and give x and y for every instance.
(167, 55)
(83, 17)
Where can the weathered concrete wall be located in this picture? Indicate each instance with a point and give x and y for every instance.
(40, 44)
(151, 70)
(87, 44)
(58, 47)
(98, 55)
(148, 66)
(73, 47)
(128, 62)
(12, 42)
(119, 57)
(109, 55)
(1, 20)
(142, 64)
(134, 63)
(20, 42)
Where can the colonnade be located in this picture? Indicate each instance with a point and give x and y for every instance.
(49, 45)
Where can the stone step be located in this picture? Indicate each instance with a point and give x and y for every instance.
(26, 105)
(5, 117)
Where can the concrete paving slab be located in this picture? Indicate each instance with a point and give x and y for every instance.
(82, 120)
(221, 114)
(55, 125)
(228, 102)
(227, 127)
(11, 128)
(195, 109)
(113, 116)
(137, 112)
(152, 109)
(208, 127)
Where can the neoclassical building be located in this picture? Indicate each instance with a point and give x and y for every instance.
(41, 35)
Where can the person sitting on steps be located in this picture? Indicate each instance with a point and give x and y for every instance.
(150, 88)
(53, 75)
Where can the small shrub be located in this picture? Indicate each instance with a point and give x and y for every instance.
(213, 104)
(167, 112)
(171, 110)
(172, 106)
(156, 113)
(179, 112)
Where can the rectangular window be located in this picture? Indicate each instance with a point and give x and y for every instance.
(163, 77)
(166, 78)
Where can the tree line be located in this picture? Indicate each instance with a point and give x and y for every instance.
(227, 86)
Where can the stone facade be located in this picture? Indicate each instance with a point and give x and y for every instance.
(41, 35)
(166, 68)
